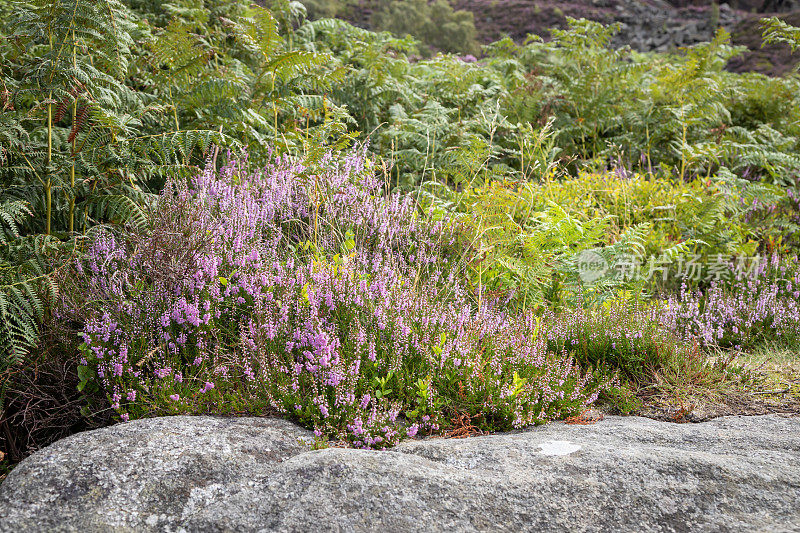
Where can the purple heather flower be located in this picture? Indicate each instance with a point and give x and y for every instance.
(295, 329)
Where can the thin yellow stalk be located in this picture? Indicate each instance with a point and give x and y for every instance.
(649, 162)
(72, 169)
(174, 111)
(48, 200)
(48, 185)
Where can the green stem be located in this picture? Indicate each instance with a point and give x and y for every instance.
(48, 185)
(174, 110)
(48, 199)
(274, 107)
(71, 194)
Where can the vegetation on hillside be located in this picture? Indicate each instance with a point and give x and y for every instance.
(211, 206)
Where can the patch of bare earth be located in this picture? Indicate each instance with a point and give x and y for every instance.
(766, 382)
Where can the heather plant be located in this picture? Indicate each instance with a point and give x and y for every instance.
(306, 290)
(626, 337)
(100, 104)
(759, 307)
(308, 286)
(631, 341)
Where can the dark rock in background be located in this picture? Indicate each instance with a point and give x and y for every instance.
(647, 25)
(773, 59)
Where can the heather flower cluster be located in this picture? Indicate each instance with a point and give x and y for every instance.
(307, 290)
(761, 307)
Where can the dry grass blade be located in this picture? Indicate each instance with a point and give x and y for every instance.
(590, 416)
(463, 427)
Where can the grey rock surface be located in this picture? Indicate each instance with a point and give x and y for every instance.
(255, 474)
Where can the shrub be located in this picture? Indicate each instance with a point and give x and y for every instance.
(678, 212)
(624, 338)
(435, 23)
(305, 290)
(631, 341)
(529, 238)
(761, 307)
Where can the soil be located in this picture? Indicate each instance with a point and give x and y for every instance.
(767, 385)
